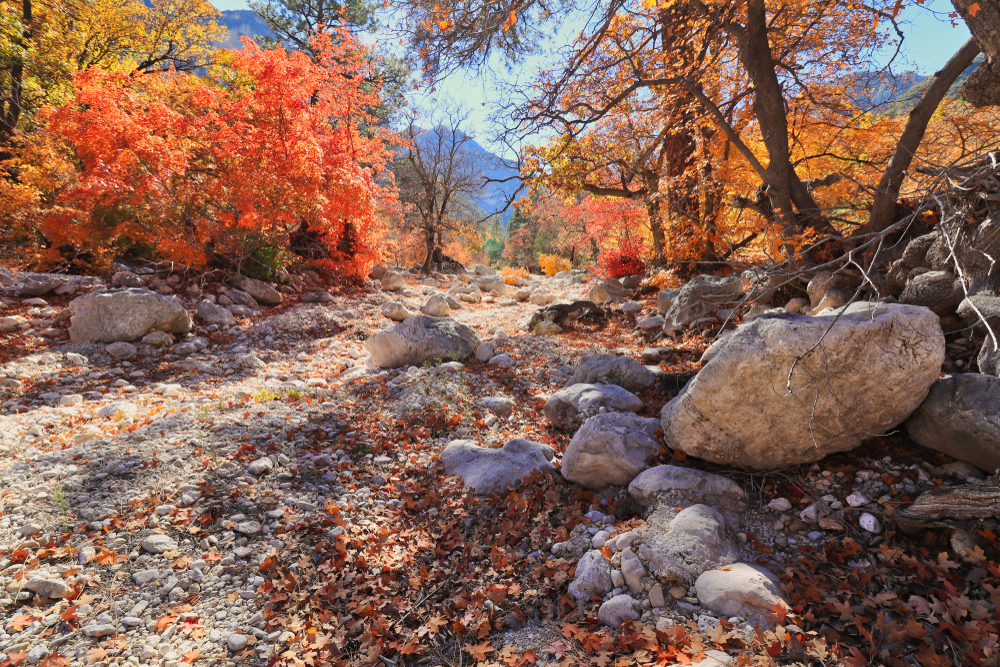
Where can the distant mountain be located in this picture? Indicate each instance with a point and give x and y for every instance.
(495, 195)
(242, 23)
(909, 98)
(897, 94)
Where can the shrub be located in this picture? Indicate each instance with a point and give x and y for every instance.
(509, 274)
(553, 264)
(622, 259)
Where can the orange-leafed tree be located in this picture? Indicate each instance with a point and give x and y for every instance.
(212, 171)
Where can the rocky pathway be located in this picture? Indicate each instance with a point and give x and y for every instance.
(179, 499)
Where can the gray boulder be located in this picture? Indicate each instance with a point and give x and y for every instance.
(492, 283)
(396, 311)
(421, 339)
(625, 372)
(569, 407)
(392, 281)
(500, 405)
(617, 609)
(124, 315)
(495, 470)
(121, 350)
(747, 591)
(610, 448)
(676, 486)
(676, 547)
(211, 313)
(606, 291)
(979, 308)
(258, 289)
(700, 298)
(242, 298)
(593, 577)
(664, 298)
(37, 285)
(436, 306)
(941, 291)
(961, 418)
(852, 378)
(377, 272)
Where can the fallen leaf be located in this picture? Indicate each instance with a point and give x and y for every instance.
(96, 654)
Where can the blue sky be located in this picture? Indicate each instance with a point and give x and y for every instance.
(931, 38)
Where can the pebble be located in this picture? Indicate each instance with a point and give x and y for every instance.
(858, 500)
(157, 544)
(869, 523)
(236, 642)
(780, 505)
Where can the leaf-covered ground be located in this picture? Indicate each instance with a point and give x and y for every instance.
(365, 552)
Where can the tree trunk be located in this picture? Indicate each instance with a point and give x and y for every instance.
(429, 242)
(656, 228)
(784, 186)
(10, 111)
(883, 212)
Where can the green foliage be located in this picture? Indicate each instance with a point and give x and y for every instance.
(265, 262)
(265, 395)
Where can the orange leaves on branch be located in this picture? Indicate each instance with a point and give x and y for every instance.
(511, 20)
(199, 169)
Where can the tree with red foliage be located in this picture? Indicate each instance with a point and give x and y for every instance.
(212, 170)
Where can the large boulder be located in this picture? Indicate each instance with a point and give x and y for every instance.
(37, 284)
(941, 291)
(392, 281)
(258, 289)
(676, 547)
(625, 372)
(664, 298)
(211, 313)
(420, 339)
(124, 315)
(495, 470)
(569, 407)
(492, 283)
(436, 306)
(702, 297)
(396, 311)
(747, 591)
(961, 418)
(606, 291)
(785, 389)
(676, 486)
(979, 308)
(610, 448)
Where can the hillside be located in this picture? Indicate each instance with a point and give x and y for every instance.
(896, 95)
(242, 23)
(495, 195)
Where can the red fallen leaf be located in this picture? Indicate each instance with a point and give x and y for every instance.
(412, 647)
(14, 658)
(774, 649)
(164, 622)
(70, 614)
(21, 622)
(191, 656)
(212, 556)
(55, 660)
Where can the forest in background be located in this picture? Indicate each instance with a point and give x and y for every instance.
(672, 134)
